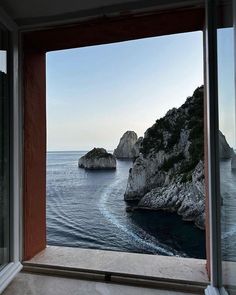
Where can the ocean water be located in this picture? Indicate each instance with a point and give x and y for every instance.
(228, 210)
(86, 209)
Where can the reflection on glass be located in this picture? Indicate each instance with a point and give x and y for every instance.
(227, 145)
(4, 152)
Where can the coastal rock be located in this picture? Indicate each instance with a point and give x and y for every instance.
(226, 152)
(126, 148)
(98, 158)
(136, 147)
(185, 198)
(142, 177)
(169, 172)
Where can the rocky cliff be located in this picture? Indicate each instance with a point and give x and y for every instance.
(137, 147)
(169, 172)
(98, 158)
(226, 152)
(128, 147)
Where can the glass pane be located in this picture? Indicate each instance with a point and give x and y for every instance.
(4, 151)
(227, 143)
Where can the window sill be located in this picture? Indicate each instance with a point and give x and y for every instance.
(8, 273)
(121, 266)
(229, 271)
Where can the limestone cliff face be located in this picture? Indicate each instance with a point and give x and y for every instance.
(98, 158)
(137, 147)
(127, 147)
(226, 152)
(185, 198)
(169, 172)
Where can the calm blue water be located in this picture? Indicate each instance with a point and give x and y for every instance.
(86, 209)
(228, 210)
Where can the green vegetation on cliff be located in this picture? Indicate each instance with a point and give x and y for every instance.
(166, 132)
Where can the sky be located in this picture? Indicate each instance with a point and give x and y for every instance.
(3, 61)
(96, 93)
(226, 84)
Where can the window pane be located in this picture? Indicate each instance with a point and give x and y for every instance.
(4, 151)
(227, 143)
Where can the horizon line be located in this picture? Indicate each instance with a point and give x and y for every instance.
(53, 151)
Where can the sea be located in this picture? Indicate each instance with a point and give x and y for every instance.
(228, 210)
(86, 209)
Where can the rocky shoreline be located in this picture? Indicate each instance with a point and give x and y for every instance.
(169, 173)
(183, 198)
(178, 198)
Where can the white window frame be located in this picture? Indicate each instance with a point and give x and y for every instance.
(211, 82)
(14, 266)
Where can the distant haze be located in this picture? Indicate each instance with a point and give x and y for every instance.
(95, 94)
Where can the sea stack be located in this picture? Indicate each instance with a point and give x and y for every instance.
(128, 147)
(97, 159)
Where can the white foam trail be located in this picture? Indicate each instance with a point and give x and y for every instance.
(111, 218)
(229, 233)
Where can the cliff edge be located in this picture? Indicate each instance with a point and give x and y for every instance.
(169, 172)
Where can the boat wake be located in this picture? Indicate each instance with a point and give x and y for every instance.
(138, 236)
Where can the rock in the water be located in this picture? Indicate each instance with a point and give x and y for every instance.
(169, 172)
(98, 158)
(226, 152)
(126, 148)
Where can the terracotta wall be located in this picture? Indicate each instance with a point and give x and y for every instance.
(34, 196)
(108, 30)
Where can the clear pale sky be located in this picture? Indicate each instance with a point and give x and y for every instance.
(3, 63)
(95, 94)
(226, 84)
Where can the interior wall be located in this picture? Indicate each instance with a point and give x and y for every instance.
(34, 190)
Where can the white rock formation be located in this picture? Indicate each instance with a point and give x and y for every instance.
(98, 158)
(126, 148)
(185, 198)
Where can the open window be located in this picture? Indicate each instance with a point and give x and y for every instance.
(117, 97)
(36, 44)
(9, 158)
(105, 30)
